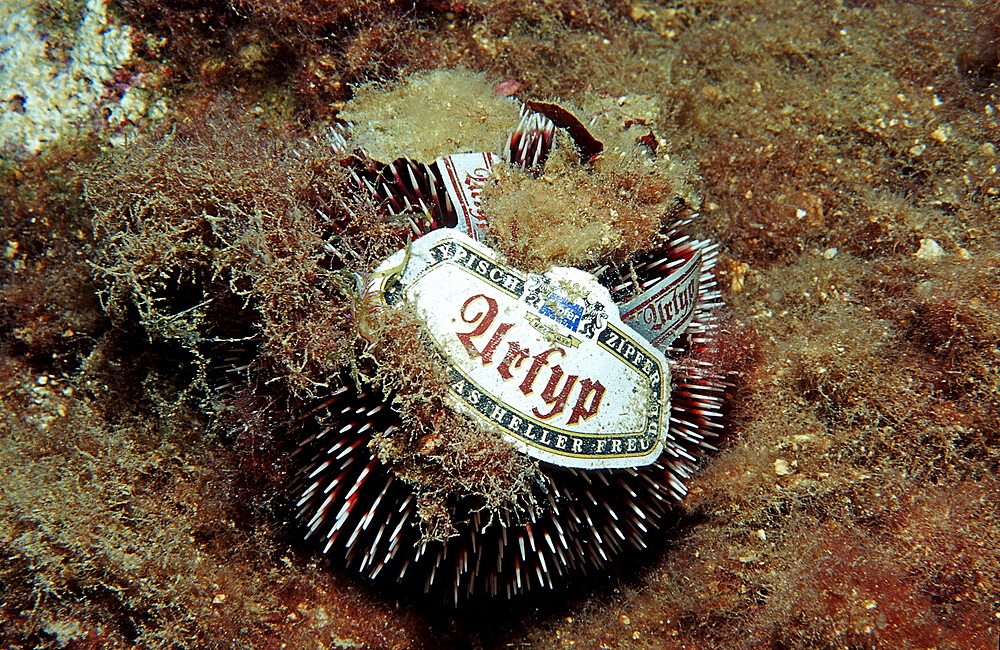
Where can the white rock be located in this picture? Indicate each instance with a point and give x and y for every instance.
(930, 250)
(44, 96)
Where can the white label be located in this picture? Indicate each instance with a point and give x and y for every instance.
(544, 359)
(464, 175)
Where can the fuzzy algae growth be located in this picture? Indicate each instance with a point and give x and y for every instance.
(432, 115)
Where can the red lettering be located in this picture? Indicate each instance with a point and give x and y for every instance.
(558, 402)
(494, 342)
(537, 361)
(515, 355)
(485, 319)
(588, 388)
(481, 311)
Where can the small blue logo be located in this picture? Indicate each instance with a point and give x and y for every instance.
(562, 311)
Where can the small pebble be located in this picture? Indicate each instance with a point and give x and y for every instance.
(929, 250)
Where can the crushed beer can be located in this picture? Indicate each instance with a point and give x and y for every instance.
(550, 361)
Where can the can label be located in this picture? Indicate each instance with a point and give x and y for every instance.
(663, 312)
(544, 359)
(464, 175)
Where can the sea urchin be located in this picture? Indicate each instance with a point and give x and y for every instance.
(514, 416)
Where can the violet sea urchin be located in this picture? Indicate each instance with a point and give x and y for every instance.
(421, 468)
